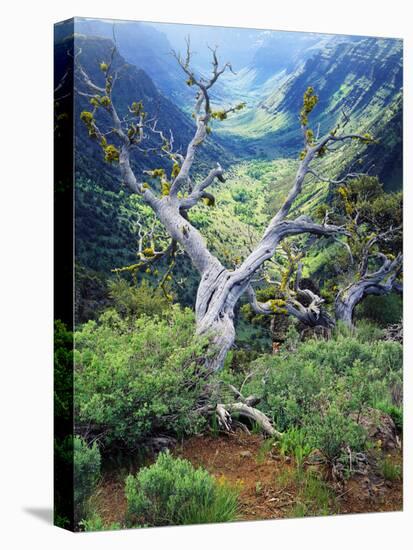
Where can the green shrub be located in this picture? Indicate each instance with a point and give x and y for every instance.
(294, 442)
(133, 301)
(316, 394)
(345, 372)
(314, 497)
(384, 310)
(389, 470)
(63, 373)
(86, 474)
(96, 523)
(291, 389)
(333, 432)
(173, 492)
(133, 378)
(361, 387)
(368, 331)
(365, 331)
(388, 358)
(338, 355)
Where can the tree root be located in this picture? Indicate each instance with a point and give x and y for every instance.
(241, 408)
(225, 421)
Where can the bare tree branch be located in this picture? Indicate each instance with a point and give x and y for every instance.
(219, 288)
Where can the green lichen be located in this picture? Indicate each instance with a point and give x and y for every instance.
(104, 101)
(310, 136)
(108, 85)
(165, 188)
(219, 115)
(209, 201)
(148, 252)
(86, 117)
(157, 173)
(95, 102)
(132, 131)
(137, 108)
(277, 306)
(310, 100)
(175, 170)
(111, 154)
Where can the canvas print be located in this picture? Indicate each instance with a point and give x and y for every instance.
(229, 274)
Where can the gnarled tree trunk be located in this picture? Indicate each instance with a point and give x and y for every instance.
(220, 289)
(380, 283)
(214, 311)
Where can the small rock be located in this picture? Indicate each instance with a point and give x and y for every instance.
(380, 427)
(245, 454)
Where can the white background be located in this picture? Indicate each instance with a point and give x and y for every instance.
(26, 272)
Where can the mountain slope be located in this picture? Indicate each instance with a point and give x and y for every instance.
(133, 85)
(147, 48)
(106, 214)
(363, 77)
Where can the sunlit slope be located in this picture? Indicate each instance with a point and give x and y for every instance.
(362, 78)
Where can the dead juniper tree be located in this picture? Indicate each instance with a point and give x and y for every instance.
(373, 262)
(370, 261)
(220, 288)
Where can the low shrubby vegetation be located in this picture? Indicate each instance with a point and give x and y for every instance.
(318, 394)
(173, 492)
(389, 470)
(86, 462)
(313, 495)
(96, 523)
(295, 443)
(130, 301)
(138, 376)
(135, 377)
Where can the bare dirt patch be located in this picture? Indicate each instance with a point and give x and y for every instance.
(241, 459)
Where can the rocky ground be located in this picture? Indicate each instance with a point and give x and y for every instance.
(270, 485)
